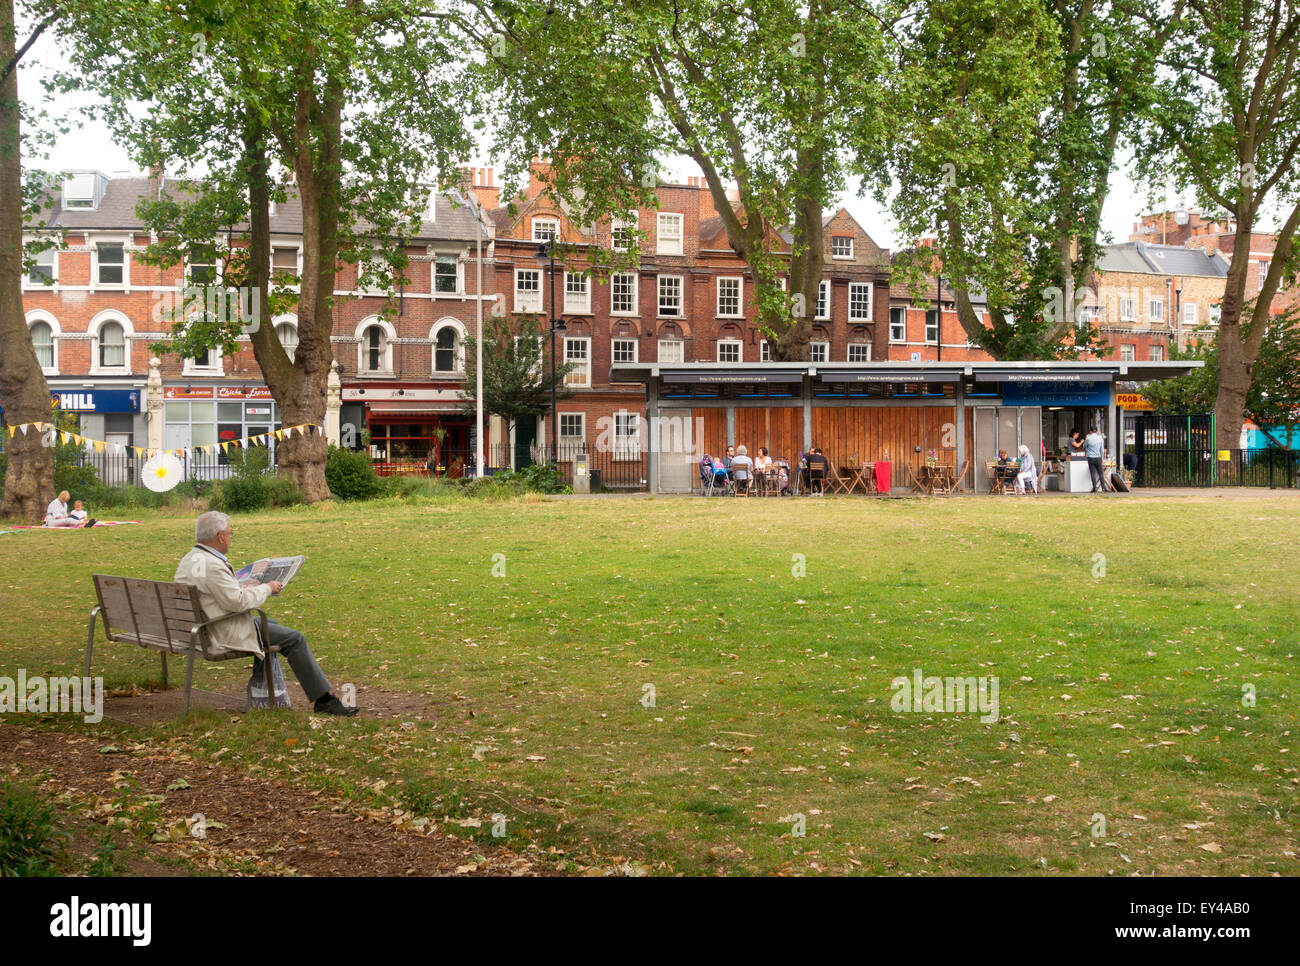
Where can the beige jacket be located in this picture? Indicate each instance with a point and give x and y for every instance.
(220, 593)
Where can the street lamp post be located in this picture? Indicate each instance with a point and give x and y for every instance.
(480, 231)
(547, 252)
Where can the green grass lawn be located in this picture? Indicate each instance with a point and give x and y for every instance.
(1121, 632)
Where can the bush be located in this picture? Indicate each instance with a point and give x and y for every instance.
(282, 491)
(350, 475)
(240, 494)
(538, 478)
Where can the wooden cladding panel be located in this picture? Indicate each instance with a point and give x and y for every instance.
(780, 429)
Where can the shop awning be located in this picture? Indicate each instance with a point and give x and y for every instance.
(726, 376)
(1040, 375)
(877, 376)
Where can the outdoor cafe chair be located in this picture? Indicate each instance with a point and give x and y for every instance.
(837, 482)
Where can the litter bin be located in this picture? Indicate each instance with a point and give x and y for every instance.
(595, 481)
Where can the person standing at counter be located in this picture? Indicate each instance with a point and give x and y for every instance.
(1095, 450)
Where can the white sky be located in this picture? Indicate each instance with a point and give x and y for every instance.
(89, 146)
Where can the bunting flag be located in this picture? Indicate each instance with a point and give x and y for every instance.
(99, 445)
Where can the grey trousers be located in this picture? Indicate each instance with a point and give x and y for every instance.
(1097, 472)
(293, 645)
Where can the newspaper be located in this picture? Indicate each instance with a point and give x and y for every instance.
(263, 571)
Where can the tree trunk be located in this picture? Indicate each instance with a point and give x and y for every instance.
(806, 264)
(1235, 357)
(301, 458)
(24, 394)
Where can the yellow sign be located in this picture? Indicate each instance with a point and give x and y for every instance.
(1225, 456)
(1132, 401)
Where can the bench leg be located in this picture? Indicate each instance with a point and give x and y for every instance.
(189, 671)
(90, 639)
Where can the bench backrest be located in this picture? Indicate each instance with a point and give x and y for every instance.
(156, 614)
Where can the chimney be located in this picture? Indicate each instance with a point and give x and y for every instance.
(155, 181)
(485, 192)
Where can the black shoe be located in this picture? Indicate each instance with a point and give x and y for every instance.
(91, 522)
(332, 705)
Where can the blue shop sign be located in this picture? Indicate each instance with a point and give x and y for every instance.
(1030, 392)
(96, 400)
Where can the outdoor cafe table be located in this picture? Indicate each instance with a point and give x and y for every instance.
(859, 478)
(940, 477)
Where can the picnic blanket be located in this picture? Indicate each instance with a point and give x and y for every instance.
(98, 523)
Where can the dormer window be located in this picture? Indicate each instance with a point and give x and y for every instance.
(79, 191)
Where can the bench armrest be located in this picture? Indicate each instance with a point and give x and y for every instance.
(261, 616)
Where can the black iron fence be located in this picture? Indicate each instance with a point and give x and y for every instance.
(1197, 466)
(617, 469)
(114, 470)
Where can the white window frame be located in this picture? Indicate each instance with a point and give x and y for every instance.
(215, 365)
(95, 283)
(577, 303)
(523, 303)
(625, 341)
(730, 343)
(819, 350)
(461, 333)
(582, 427)
(841, 255)
(1155, 353)
(297, 263)
(540, 364)
(858, 287)
(932, 339)
(96, 325)
(1263, 272)
(544, 220)
(848, 355)
(894, 335)
(1128, 308)
(678, 344)
(670, 241)
(1156, 308)
(765, 351)
(627, 445)
(630, 220)
(579, 378)
(43, 317)
(635, 286)
(823, 285)
(738, 295)
(1191, 313)
(92, 200)
(29, 285)
(386, 348)
(1127, 352)
(1216, 313)
(681, 297)
(292, 322)
(433, 275)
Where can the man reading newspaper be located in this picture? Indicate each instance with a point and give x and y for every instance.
(221, 592)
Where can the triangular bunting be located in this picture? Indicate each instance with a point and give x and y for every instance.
(23, 427)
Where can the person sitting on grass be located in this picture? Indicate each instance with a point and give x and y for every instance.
(207, 568)
(57, 515)
(79, 513)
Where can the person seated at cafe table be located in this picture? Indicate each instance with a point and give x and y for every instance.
(817, 465)
(1028, 472)
(742, 468)
(762, 461)
(1006, 467)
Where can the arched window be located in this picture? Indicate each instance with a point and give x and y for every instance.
(373, 347)
(445, 351)
(43, 343)
(112, 346)
(287, 333)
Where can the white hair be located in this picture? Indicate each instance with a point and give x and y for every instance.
(1024, 450)
(209, 524)
(741, 450)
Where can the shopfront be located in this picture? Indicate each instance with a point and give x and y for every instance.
(204, 415)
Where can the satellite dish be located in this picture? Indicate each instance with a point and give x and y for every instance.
(162, 472)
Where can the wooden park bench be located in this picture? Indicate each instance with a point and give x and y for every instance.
(160, 616)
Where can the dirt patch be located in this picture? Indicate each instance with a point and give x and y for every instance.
(249, 824)
(142, 708)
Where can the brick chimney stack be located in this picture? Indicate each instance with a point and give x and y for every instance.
(485, 192)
